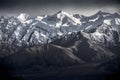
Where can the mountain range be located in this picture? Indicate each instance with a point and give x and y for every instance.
(60, 40)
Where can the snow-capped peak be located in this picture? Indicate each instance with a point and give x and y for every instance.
(43, 29)
(60, 13)
(22, 17)
(63, 16)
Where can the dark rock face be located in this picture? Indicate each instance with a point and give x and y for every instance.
(75, 51)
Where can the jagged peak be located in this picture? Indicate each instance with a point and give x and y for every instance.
(78, 16)
(61, 13)
(101, 13)
(22, 17)
(23, 14)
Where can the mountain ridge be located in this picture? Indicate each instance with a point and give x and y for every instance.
(60, 44)
(23, 31)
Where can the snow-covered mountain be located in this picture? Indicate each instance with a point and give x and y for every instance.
(25, 31)
(59, 42)
(21, 30)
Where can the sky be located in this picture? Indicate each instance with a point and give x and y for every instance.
(49, 7)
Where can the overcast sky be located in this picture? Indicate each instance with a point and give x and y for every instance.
(40, 7)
